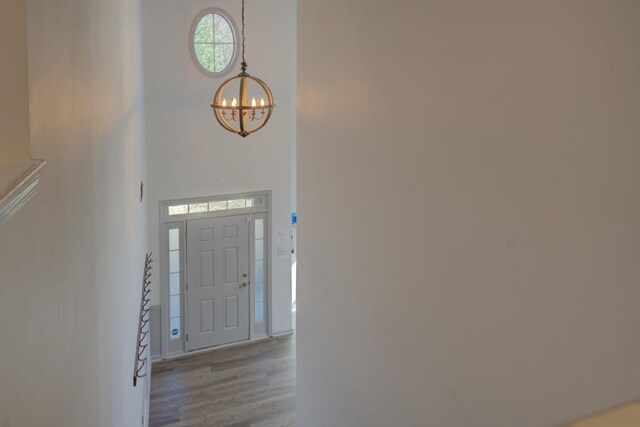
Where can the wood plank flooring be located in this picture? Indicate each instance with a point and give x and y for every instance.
(249, 385)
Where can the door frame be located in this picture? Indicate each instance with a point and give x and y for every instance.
(176, 348)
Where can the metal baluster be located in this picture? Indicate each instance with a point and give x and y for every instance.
(143, 323)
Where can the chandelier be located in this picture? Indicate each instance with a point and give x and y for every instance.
(243, 104)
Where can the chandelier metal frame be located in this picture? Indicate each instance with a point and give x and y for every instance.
(243, 111)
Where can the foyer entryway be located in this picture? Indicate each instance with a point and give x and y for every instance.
(215, 272)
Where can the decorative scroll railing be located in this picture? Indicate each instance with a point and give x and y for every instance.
(142, 359)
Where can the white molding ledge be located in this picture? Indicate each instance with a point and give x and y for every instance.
(283, 333)
(18, 184)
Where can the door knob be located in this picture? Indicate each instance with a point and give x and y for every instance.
(244, 285)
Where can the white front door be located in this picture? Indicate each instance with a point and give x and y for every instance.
(217, 281)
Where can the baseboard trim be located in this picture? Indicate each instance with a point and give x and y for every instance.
(282, 333)
(259, 337)
(210, 349)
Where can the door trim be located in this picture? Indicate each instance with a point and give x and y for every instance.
(178, 347)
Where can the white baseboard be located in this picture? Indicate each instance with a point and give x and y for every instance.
(210, 349)
(283, 333)
(259, 337)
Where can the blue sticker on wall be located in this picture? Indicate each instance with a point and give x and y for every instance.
(174, 331)
(294, 218)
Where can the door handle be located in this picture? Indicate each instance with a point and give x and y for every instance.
(245, 284)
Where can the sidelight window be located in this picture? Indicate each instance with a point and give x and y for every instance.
(174, 284)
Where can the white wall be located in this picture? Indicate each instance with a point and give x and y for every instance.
(14, 101)
(71, 260)
(469, 211)
(189, 154)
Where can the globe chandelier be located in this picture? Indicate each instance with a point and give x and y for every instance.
(243, 104)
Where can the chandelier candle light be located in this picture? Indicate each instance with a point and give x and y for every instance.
(250, 103)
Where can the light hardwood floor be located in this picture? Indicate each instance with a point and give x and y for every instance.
(250, 385)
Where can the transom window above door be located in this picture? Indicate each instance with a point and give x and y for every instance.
(213, 42)
(258, 201)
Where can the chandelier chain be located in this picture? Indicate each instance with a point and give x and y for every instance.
(244, 62)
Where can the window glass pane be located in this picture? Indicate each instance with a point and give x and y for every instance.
(174, 328)
(237, 204)
(218, 206)
(259, 271)
(259, 312)
(214, 42)
(178, 210)
(174, 261)
(204, 54)
(258, 201)
(204, 30)
(223, 32)
(223, 53)
(259, 229)
(250, 203)
(174, 284)
(259, 286)
(259, 251)
(174, 239)
(174, 306)
(198, 207)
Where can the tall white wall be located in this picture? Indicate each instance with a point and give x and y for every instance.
(469, 228)
(71, 260)
(189, 153)
(14, 101)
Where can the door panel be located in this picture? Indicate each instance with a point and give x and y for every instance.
(231, 312)
(231, 266)
(206, 316)
(217, 278)
(206, 269)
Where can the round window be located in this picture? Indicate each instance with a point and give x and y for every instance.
(213, 42)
